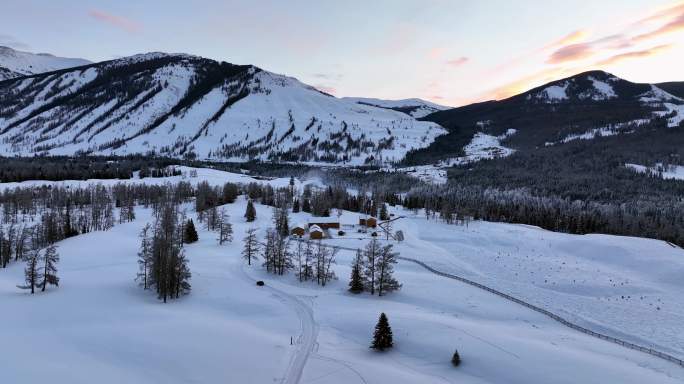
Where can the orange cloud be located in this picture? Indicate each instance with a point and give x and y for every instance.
(571, 52)
(458, 61)
(117, 21)
(525, 83)
(635, 54)
(571, 38)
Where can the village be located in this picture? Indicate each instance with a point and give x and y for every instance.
(346, 225)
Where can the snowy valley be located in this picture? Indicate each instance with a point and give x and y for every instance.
(297, 332)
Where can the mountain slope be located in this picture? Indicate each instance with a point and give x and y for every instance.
(414, 107)
(583, 106)
(15, 63)
(181, 105)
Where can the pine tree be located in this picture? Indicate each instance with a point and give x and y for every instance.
(306, 206)
(50, 259)
(32, 273)
(250, 213)
(356, 281)
(382, 338)
(190, 235)
(250, 250)
(456, 359)
(383, 212)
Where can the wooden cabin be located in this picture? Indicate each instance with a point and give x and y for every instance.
(325, 222)
(315, 232)
(298, 230)
(370, 221)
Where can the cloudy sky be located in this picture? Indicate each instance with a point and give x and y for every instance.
(448, 51)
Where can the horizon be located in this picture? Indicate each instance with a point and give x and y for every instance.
(453, 62)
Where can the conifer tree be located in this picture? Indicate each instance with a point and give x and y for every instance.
(382, 338)
(456, 359)
(50, 260)
(32, 273)
(250, 213)
(250, 250)
(356, 281)
(190, 235)
(306, 206)
(383, 212)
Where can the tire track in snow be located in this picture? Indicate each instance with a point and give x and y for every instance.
(306, 341)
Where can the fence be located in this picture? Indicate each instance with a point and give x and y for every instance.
(559, 319)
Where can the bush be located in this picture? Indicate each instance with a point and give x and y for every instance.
(456, 359)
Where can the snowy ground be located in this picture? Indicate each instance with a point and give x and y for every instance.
(189, 174)
(670, 172)
(98, 322)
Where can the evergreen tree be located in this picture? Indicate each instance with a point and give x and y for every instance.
(306, 206)
(32, 273)
(295, 206)
(356, 281)
(456, 359)
(382, 338)
(250, 213)
(250, 250)
(190, 235)
(383, 212)
(50, 260)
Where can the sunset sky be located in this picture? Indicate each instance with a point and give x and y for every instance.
(447, 51)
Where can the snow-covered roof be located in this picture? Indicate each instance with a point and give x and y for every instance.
(315, 228)
(324, 220)
(300, 225)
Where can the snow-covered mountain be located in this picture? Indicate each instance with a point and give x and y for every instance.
(414, 107)
(182, 105)
(581, 107)
(15, 63)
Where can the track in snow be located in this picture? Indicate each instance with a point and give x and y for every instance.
(306, 341)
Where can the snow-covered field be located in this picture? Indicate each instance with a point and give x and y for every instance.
(99, 323)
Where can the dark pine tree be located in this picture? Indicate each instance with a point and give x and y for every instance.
(250, 213)
(382, 338)
(356, 281)
(190, 235)
(456, 359)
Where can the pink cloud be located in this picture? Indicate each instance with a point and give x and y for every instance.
(635, 54)
(458, 61)
(326, 89)
(116, 21)
(675, 25)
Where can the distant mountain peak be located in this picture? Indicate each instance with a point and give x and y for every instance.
(14, 63)
(413, 107)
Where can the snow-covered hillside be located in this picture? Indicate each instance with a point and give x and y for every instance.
(415, 107)
(15, 63)
(181, 105)
(229, 330)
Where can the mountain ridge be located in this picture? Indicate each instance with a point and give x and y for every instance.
(187, 106)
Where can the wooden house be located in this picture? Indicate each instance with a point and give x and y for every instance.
(369, 221)
(298, 230)
(325, 222)
(315, 232)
